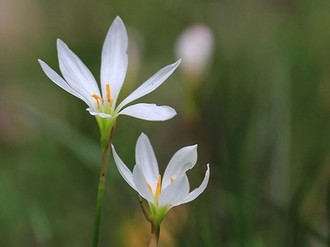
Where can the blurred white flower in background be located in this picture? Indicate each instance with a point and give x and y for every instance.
(195, 47)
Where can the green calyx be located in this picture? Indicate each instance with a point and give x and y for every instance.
(106, 126)
(157, 213)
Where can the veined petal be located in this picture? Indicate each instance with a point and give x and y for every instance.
(141, 184)
(76, 73)
(196, 192)
(182, 161)
(58, 80)
(114, 59)
(145, 158)
(175, 193)
(122, 168)
(149, 112)
(151, 84)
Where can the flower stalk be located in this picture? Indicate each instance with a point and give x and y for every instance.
(155, 227)
(155, 231)
(105, 147)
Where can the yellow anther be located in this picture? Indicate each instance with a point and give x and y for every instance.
(172, 180)
(158, 188)
(149, 187)
(98, 99)
(107, 89)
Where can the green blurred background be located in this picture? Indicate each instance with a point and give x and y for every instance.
(260, 114)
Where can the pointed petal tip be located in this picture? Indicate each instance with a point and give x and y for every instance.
(143, 138)
(207, 173)
(143, 135)
(60, 44)
(194, 147)
(118, 21)
(177, 63)
(42, 63)
(118, 18)
(171, 113)
(59, 41)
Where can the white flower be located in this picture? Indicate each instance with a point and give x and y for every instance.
(195, 47)
(79, 81)
(169, 191)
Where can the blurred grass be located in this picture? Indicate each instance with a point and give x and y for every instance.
(261, 120)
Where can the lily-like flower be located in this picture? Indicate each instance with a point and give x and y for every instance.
(195, 46)
(162, 193)
(79, 81)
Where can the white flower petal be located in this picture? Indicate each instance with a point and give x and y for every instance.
(150, 112)
(76, 73)
(175, 193)
(151, 84)
(122, 168)
(141, 184)
(114, 58)
(196, 192)
(182, 161)
(96, 112)
(146, 160)
(58, 80)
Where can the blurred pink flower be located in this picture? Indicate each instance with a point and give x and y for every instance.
(195, 47)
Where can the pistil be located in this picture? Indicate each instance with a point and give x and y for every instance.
(158, 187)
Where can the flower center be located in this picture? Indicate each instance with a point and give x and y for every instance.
(100, 101)
(158, 187)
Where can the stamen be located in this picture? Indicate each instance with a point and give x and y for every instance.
(158, 188)
(149, 187)
(172, 180)
(97, 98)
(107, 88)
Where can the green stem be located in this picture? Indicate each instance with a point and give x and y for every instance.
(155, 227)
(155, 231)
(105, 145)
